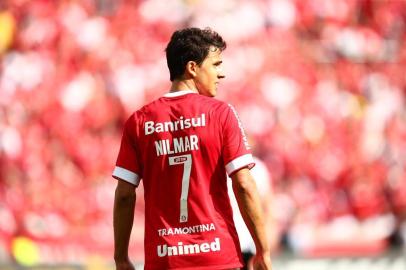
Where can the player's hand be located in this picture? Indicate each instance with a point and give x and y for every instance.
(261, 262)
(125, 265)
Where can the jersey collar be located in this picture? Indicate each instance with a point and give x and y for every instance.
(179, 93)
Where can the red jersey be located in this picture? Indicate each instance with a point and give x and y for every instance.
(182, 145)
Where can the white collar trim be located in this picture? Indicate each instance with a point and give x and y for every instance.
(179, 93)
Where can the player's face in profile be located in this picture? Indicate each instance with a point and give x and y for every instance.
(209, 73)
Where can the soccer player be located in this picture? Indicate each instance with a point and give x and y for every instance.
(181, 146)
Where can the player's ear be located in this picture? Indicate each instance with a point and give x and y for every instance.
(191, 69)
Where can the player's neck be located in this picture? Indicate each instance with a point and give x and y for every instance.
(183, 85)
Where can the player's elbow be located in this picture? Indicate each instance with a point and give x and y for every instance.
(244, 187)
(124, 196)
(125, 192)
(243, 183)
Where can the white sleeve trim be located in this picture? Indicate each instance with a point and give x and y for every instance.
(240, 162)
(126, 175)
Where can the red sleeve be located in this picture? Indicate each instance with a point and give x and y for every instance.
(236, 150)
(127, 165)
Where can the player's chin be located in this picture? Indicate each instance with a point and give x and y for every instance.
(211, 93)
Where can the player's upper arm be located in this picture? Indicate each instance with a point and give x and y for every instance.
(124, 188)
(128, 165)
(236, 150)
(242, 180)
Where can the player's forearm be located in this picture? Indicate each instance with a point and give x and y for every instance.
(249, 204)
(123, 217)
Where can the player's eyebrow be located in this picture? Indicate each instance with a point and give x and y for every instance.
(218, 62)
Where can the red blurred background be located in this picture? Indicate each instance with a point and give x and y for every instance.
(320, 87)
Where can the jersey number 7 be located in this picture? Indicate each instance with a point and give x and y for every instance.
(186, 160)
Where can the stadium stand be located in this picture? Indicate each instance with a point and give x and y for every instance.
(320, 87)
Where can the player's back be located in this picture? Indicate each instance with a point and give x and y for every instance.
(185, 142)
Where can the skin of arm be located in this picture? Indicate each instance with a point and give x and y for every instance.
(123, 216)
(249, 203)
(271, 224)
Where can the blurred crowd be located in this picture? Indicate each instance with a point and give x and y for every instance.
(320, 87)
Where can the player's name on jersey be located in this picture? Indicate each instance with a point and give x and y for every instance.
(177, 145)
(183, 123)
(182, 249)
(187, 230)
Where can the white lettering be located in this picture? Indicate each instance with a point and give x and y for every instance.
(178, 145)
(162, 250)
(159, 148)
(212, 228)
(181, 249)
(215, 246)
(165, 148)
(205, 227)
(180, 246)
(187, 230)
(169, 126)
(168, 146)
(192, 249)
(181, 122)
(205, 247)
(196, 122)
(187, 123)
(150, 126)
(159, 127)
(172, 251)
(186, 144)
(193, 142)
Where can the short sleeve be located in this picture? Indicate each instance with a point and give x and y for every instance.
(127, 165)
(236, 150)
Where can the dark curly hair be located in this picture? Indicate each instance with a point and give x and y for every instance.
(190, 44)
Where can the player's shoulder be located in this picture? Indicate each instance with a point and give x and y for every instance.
(137, 115)
(210, 102)
(207, 99)
(146, 109)
(157, 106)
